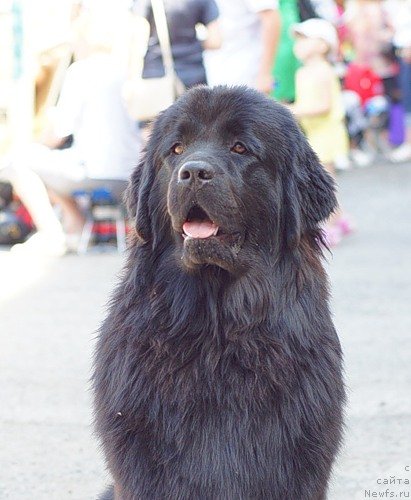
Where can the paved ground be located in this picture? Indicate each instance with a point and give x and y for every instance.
(49, 312)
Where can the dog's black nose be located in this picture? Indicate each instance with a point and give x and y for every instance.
(195, 171)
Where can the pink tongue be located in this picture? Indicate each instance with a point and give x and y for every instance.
(199, 229)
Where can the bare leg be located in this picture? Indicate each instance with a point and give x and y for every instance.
(73, 218)
(49, 239)
(21, 169)
(32, 192)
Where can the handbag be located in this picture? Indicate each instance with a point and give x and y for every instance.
(146, 97)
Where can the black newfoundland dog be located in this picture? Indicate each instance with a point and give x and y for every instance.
(218, 369)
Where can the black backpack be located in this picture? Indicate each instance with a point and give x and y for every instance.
(13, 229)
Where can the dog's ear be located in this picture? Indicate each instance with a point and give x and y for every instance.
(131, 193)
(308, 193)
(316, 188)
(137, 196)
(139, 192)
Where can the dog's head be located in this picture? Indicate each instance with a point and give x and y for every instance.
(226, 176)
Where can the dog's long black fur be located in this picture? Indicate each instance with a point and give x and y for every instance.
(218, 371)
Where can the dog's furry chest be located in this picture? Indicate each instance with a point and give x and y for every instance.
(191, 410)
(218, 423)
(213, 420)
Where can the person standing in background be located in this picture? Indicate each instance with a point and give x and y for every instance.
(318, 105)
(187, 50)
(105, 141)
(370, 32)
(250, 31)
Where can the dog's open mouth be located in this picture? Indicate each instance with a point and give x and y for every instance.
(208, 241)
(199, 225)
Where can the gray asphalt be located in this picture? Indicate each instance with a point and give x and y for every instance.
(50, 310)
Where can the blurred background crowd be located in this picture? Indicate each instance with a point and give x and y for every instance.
(71, 95)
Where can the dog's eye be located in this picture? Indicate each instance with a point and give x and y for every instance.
(178, 148)
(239, 148)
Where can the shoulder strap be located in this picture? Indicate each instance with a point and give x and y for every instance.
(160, 21)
